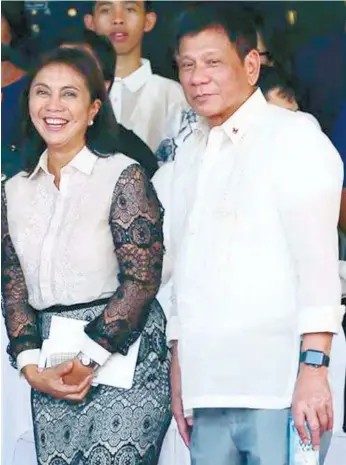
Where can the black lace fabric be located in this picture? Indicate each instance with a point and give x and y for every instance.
(136, 219)
(20, 318)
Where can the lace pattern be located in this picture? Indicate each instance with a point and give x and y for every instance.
(20, 318)
(136, 219)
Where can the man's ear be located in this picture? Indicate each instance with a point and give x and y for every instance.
(89, 22)
(252, 63)
(150, 21)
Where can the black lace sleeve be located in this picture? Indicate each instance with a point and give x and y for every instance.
(136, 222)
(20, 318)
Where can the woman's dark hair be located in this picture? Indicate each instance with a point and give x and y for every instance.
(271, 78)
(236, 24)
(102, 136)
(101, 47)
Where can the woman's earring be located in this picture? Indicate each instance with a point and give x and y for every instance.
(91, 122)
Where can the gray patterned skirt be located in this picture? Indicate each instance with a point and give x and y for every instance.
(112, 426)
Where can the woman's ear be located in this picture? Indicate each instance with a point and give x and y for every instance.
(95, 108)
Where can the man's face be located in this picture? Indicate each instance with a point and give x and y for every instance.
(215, 80)
(124, 22)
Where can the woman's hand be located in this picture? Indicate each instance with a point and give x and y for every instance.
(51, 381)
(78, 373)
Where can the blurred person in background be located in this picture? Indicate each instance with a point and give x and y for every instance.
(279, 90)
(148, 104)
(320, 66)
(15, 35)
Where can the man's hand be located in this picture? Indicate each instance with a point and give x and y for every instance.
(312, 402)
(50, 381)
(184, 424)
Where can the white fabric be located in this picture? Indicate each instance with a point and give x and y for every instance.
(62, 237)
(28, 357)
(174, 451)
(148, 104)
(254, 210)
(25, 452)
(310, 117)
(15, 408)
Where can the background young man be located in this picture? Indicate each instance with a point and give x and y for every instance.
(147, 103)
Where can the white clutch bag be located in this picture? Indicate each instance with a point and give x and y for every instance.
(66, 338)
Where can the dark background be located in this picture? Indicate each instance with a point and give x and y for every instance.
(313, 19)
(309, 35)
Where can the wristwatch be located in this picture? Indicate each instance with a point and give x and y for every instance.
(87, 361)
(314, 358)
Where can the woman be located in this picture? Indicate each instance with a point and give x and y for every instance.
(65, 216)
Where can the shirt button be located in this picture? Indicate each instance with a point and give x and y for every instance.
(13, 148)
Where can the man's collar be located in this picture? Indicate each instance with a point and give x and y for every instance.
(84, 162)
(237, 125)
(138, 78)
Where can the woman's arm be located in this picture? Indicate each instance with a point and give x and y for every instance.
(136, 223)
(20, 318)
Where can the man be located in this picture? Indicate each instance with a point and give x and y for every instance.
(253, 213)
(147, 103)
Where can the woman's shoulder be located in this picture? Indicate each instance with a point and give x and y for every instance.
(113, 166)
(118, 161)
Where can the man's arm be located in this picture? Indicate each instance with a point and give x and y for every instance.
(309, 199)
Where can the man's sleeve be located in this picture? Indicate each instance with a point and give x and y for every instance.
(309, 191)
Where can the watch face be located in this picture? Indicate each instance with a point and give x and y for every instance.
(85, 360)
(314, 357)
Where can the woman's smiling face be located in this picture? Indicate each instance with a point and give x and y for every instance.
(60, 106)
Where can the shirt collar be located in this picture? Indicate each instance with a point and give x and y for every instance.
(238, 124)
(84, 162)
(138, 78)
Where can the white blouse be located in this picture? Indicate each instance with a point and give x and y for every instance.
(62, 237)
